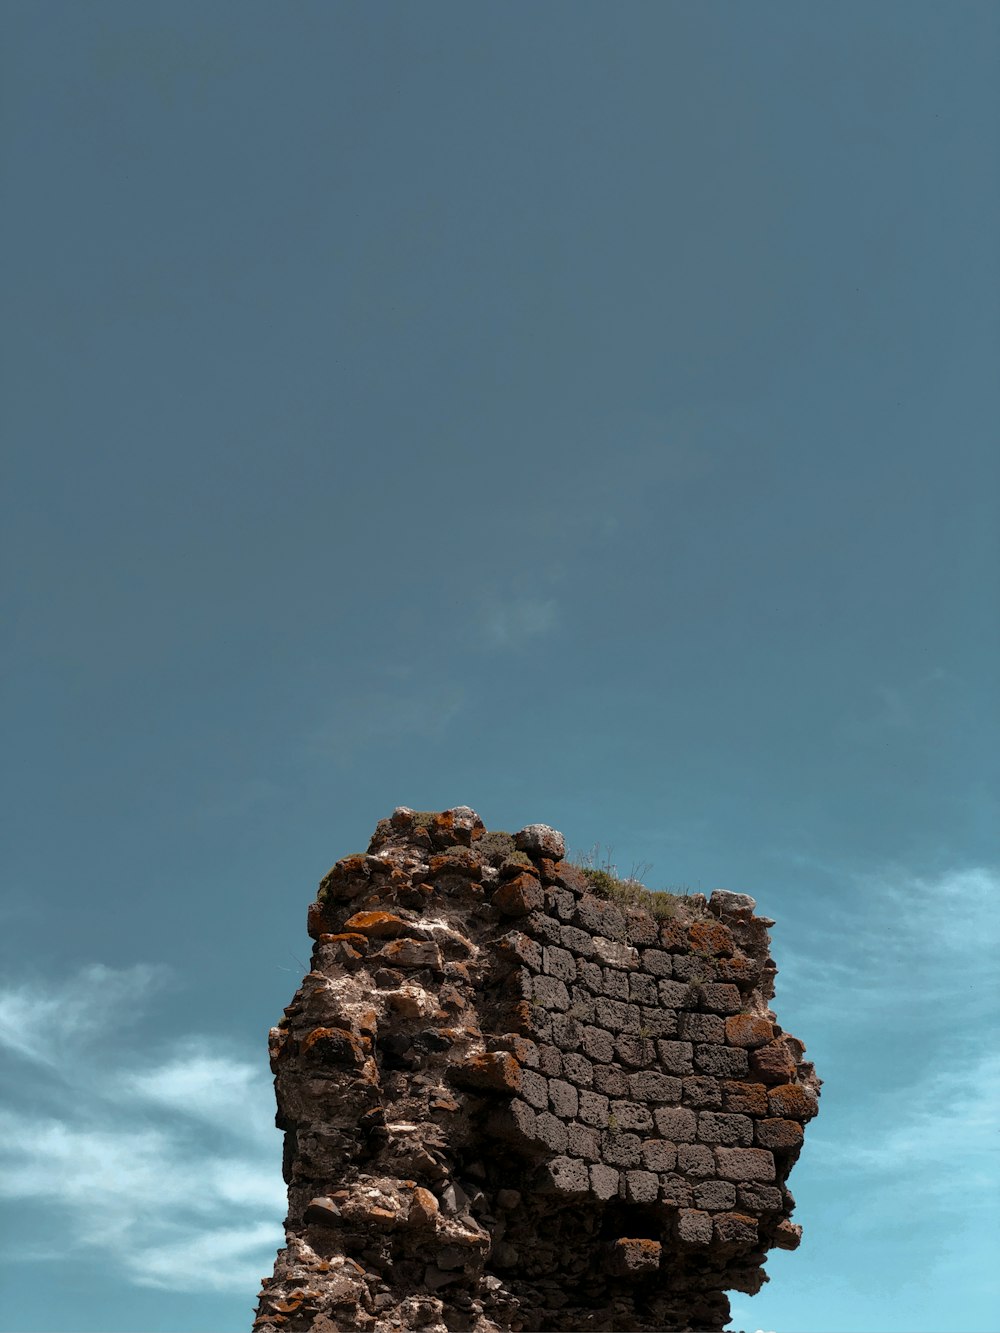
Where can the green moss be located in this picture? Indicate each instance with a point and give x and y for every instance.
(495, 847)
(424, 818)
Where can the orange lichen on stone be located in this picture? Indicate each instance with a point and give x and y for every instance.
(519, 896)
(748, 1030)
(711, 936)
(493, 1071)
(379, 925)
(773, 1063)
(335, 1046)
(792, 1101)
(748, 1098)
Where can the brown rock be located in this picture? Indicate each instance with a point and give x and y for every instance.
(408, 953)
(632, 1258)
(380, 925)
(491, 1071)
(519, 896)
(748, 1030)
(773, 1063)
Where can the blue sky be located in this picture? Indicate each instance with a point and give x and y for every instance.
(582, 412)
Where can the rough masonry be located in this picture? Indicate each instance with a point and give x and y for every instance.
(510, 1103)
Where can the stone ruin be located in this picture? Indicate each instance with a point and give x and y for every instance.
(512, 1103)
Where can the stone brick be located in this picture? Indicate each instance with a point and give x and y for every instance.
(701, 1027)
(641, 927)
(711, 937)
(736, 1229)
(702, 1092)
(598, 917)
(658, 1155)
(773, 1063)
(594, 1109)
(787, 1235)
(657, 962)
(560, 903)
(581, 1004)
(598, 1044)
(791, 1101)
(534, 1089)
(577, 941)
(721, 997)
(778, 1133)
(693, 969)
(633, 1258)
(721, 1061)
(641, 1187)
(614, 954)
(550, 1060)
(563, 1098)
(748, 1030)
(614, 983)
(642, 989)
(674, 936)
(676, 1056)
(694, 1159)
(578, 1069)
(540, 926)
(694, 1227)
(550, 993)
(732, 1130)
(491, 1071)
(551, 1131)
(673, 994)
(604, 1181)
(648, 1086)
(583, 1141)
(564, 1175)
(760, 1199)
(676, 1123)
(558, 962)
(630, 1115)
(514, 1123)
(610, 1080)
(634, 1051)
(675, 1191)
(519, 896)
(715, 1195)
(611, 1014)
(741, 971)
(590, 975)
(744, 1164)
(750, 1098)
(620, 1148)
(658, 1022)
(567, 1032)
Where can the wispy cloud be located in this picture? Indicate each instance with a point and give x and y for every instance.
(158, 1162)
(39, 1022)
(514, 621)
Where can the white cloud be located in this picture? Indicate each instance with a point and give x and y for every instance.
(943, 1132)
(39, 1022)
(512, 622)
(170, 1166)
(226, 1259)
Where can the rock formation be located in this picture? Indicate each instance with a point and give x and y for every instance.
(512, 1103)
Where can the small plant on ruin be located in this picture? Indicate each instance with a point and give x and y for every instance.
(629, 891)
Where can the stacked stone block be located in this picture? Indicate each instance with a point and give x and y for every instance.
(510, 1103)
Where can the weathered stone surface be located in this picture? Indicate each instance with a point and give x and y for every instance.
(519, 896)
(512, 1103)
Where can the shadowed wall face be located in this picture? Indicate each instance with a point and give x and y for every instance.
(511, 1102)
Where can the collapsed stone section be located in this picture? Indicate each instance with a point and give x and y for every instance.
(510, 1103)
